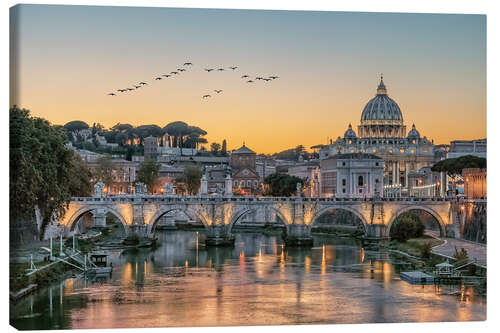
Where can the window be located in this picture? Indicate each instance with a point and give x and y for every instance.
(343, 190)
(255, 184)
(360, 190)
(242, 183)
(249, 183)
(360, 181)
(343, 163)
(376, 180)
(376, 163)
(235, 183)
(343, 182)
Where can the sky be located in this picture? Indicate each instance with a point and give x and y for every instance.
(66, 59)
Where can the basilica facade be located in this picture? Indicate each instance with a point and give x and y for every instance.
(382, 132)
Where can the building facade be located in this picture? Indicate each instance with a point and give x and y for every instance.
(244, 171)
(474, 183)
(359, 175)
(382, 132)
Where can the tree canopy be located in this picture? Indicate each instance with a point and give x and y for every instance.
(190, 179)
(281, 185)
(148, 174)
(43, 172)
(454, 166)
(76, 125)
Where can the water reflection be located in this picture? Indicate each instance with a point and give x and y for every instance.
(257, 282)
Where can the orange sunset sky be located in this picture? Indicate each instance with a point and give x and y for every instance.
(66, 59)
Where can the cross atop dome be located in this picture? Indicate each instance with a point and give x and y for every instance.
(381, 89)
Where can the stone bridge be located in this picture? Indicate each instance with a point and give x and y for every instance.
(142, 213)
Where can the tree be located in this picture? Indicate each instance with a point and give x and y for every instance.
(40, 170)
(454, 166)
(190, 179)
(148, 174)
(104, 170)
(407, 225)
(80, 183)
(215, 147)
(281, 185)
(224, 147)
(76, 125)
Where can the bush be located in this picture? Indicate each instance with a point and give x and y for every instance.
(461, 255)
(425, 250)
(407, 226)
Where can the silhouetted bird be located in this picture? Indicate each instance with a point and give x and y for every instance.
(157, 78)
(209, 69)
(122, 90)
(136, 87)
(143, 83)
(174, 73)
(218, 91)
(206, 96)
(166, 75)
(181, 69)
(220, 69)
(274, 77)
(188, 64)
(244, 76)
(266, 80)
(249, 81)
(112, 94)
(233, 67)
(259, 78)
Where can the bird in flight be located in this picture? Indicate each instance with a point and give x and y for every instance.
(266, 80)
(136, 87)
(181, 69)
(122, 90)
(218, 91)
(220, 69)
(157, 78)
(209, 69)
(112, 94)
(130, 89)
(174, 72)
(188, 64)
(142, 83)
(249, 81)
(274, 77)
(244, 76)
(206, 96)
(259, 78)
(166, 75)
(233, 67)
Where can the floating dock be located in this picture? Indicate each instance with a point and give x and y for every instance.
(417, 277)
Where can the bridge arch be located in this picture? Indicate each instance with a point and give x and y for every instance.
(240, 213)
(191, 213)
(322, 211)
(433, 213)
(86, 209)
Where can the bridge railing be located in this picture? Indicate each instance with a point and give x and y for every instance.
(242, 199)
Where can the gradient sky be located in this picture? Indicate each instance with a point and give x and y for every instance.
(70, 57)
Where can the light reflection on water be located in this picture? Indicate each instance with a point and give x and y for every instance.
(257, 282)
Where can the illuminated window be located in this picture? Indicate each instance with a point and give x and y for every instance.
(352, 150)
(412, 151)
(374, 150)
(402, 150)
(390, 151)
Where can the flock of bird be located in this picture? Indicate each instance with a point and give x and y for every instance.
(183, 68)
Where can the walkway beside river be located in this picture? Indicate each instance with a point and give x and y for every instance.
(474, 250)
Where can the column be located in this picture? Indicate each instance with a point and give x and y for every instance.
(393, 172)
(406, 174)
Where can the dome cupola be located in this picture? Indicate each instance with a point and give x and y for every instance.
(381, 117)
(413, 134)
(350, 134)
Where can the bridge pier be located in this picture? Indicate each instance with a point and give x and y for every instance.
(376, 235)
(99, 217)
(219, 235)
(298, 235)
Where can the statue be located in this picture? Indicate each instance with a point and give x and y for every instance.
(219, 190)
(168, 189)
(98, 189)
(299, 190)
(141, 188)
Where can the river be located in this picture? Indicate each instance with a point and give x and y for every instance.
(258, 282)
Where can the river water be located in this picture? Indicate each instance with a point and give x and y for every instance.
(258, 282)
